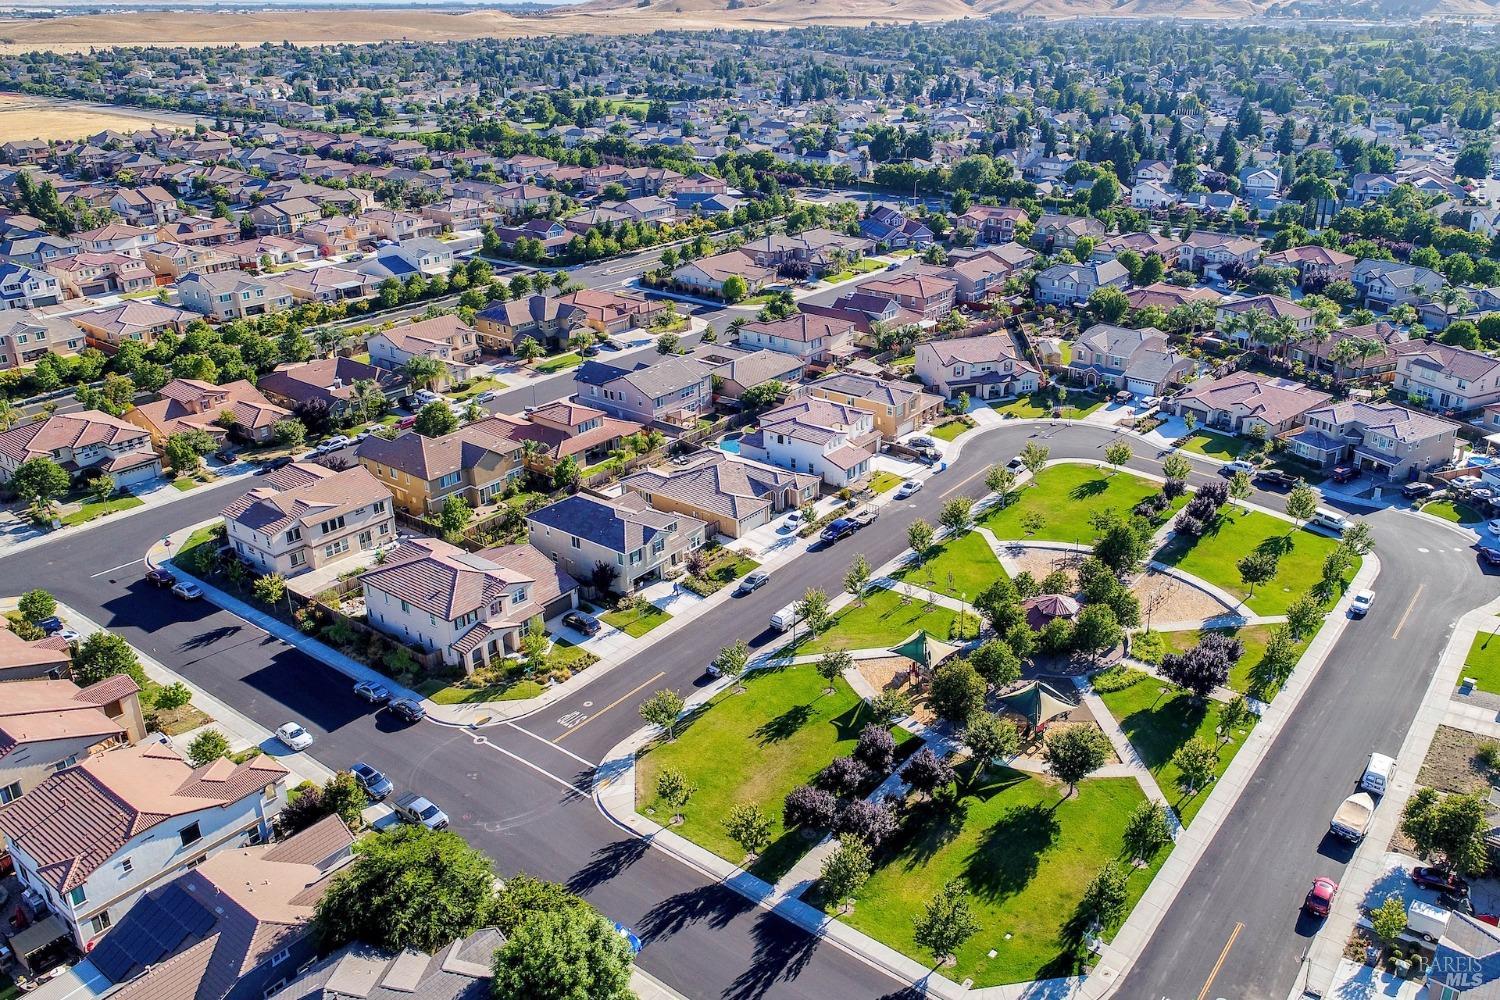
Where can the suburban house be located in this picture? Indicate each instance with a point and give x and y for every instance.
(476, 462)
(822, 250)
(1386, 283)
(808, 337)
(1466, 961)
(986, 367)
(227, 295)
(26, 337)
(563, 429)
(447, 340)
(615, 544)
(462, 970)
(1318, 354)
(1382, 438)
(708, 274)
(992, 223)
(899, 408)
(888, 226)
(23, 287)
(927, 295)
(544, 318)
(611, 312)
(730, 494)
(1233, 314)
(1242, 401)
(92, 837)
(1072, 284)
(47, 725)
(979, 274)
(1444, 377)
(29, 659)
(1206, 252)
(86, 443)
(328, 381)
(308, 516)
(1168, 297)
(239, 926)
(328, 285)
(674, 390)
(1314, 263)
(111, 326)
(1139, 361)
(830, 440)
(175, 260)
(91, 273)
(1062, 232)
(471, 608)
(185, 404)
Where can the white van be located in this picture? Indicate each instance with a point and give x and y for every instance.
(1377, 774)
(783, 620)
(1329, 521)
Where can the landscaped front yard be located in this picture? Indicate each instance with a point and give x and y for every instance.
(1062, 497)
(967, 559)
(1214, 445)
(1158, 718)
(753, 748)
(1452, 510)
(557, 363)
(1039, 404)
(884, 482)
(882, 621)
(1483, 662)
(1215, 556)
(89, 511)
(636, 621)
(949, 430)
(1026, 855)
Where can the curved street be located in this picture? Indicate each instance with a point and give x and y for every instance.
(519, 790)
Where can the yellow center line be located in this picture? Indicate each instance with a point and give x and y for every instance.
(1220, 963)
(1402, 623)
(966, 482)
(606, 708)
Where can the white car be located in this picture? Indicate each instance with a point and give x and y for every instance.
(487, 395)
(333, 444)
(1230, 468)
(907, 488)
(1493, 527)
(425, 396)
(294, 736)
(793, 521)
(1361, 604)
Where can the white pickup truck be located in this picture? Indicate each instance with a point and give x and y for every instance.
(415, 809)
(1352, 820)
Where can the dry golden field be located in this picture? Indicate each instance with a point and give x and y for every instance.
(26, 117)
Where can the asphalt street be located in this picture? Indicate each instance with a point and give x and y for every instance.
(517, 793)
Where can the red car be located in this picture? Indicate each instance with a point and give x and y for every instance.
(1320, 897)
(1440, 881)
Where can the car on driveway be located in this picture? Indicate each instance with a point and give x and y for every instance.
(188, 590)
(1493, 527)
(1276, 478)
(408, 710)
(793, 522)
(1344, 474)
(51, 625)
(161, 578)
(1440, 881)
(1417, 491)
(376, 785)
(1320, 897)
(294, 736)
(753, 580)
(1229, 469)
(577, 620)
(922, 441)
(1360, 606)
(67, 635)
(373, 692)
(907, 488)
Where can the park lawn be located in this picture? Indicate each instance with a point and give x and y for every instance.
(638, 620)
(968, 559)
(884, 482)
(1241, 675)
(1026, 855)
(1483, 662)
(1158, 718)
(1452, 510)
(1214, 445)
(949, 430)
(883, 622)
(1239, 532)
(754, 747)
(89, 511)
(1037, 405)
(1064, 496)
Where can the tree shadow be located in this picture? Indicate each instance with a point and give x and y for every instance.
(1277, 545)
(1158, 731)
(782, 951)
(784, 726)
(208, 638)
(1092, 488)
(1009, 852)
(928, 828)
(713, 905)
(607, 862)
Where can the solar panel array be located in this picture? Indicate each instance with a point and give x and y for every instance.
(156, 928)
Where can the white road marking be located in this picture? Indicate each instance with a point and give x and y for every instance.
(543, 739)
(1423, 551)
(113, 568)
(482, 741)
(571, 719)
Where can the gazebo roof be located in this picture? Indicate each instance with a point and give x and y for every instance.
(1037, 702)
(924, 649)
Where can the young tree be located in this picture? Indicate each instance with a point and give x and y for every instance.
(207, 747)
(1303, 616)
(1105, 897)
(1234, 714)
(748, 826)
(269, 589)
(1117, 454)
(732, 659)
(919, 537)
(1256, 568)
(990, 738)
(1147, 831)
(1033, 457)
(672, 788)
(566, 954)
(831, 666)
(435, 419)
(661, 710)
(890, 706)
(857, 578)
(947, 922)
(289, 431)
(1122, 549)
(957, 515)
(100, 488)
(1240, 487)
(455, 517)
(807, 806)
(1388, 920)
(844, 873)
(1075, 753)
(735, 289)
(184, 451)
(343, 797)
(104, 654)
(39, 480)
(1195, 761)
(1177, 467)
(1450, 829)
(1204, 667)
(1301, 503)
(36, 605)
(812, 610)
(1358, 538)
(956, 691)
(1001, 481)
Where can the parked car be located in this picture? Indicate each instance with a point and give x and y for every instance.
(425, 396)
(1320, 897)
(376, 785)
(1344, 474)
(1493, 527)
(272, 464)
(160, 578)
(408, 710)
(1276, 478)
(51, 625)
(587, 624)
(332, 444)
(1015, 464)
(407, 423)
(793, 522)
(225, 455)
(907, 488)
(1360, 606)
(753, 581)
(294, 736)
(373, 692)
(188, 590)
(591, 351)
(487, 395)
(1417, 491)
(413, 808)
(1229, 469)
(922, 441)
(1440, 881)
(1489, 556)
(67, 635)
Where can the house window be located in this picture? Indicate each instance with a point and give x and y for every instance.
(100, 923)
(126, 866)
(298, 558)
(332, 524)
(78, 897)
(280, 956)
(295, 535)
(576, 543)
(10, 792)
(190, 834)
(342, 545)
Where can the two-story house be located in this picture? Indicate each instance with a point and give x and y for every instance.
(986, 367)
(563, 429)
(899, 408)
(830, 440)
(91, 274)
(927, 295)
(1205, 252)
(447, 340)
(330, 381)
(186, 404)
(1386, 284)
(673, 390)
(1314, 263)
(1139, 361)
(1062, 232)
(471, 608)
(85, 443)
(227, 295)
(1242, 401)
(110, 327)
(23, 287)
(1382, 438)
(26, 337)
(992, 223)
(980, 274)
(1444, 377)
(47, 725)
(545, 319)
(811, 338)
(49, 658)
(727, 492)
(308, 516)
(615, 544)
(91, 838)
(476, 462)
(889, 226)
(1072, 284)
(1238, 318)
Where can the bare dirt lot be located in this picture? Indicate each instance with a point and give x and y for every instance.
(26, 117)
(1452, 763)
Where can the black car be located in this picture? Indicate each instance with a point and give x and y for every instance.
(161, 578)
(277, 463)
(408, 709)
(1276, 478)
(586, 624)
(1490, 557)
(1417, 491)
(590, 351)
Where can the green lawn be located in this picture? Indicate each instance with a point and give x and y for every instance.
(884, 482)
(1158, 718)
(882, 621)
(559, 362)
(950, 430)
(1483, 662)
(483, 385)
(1214, 445)
(452, 694)
(1079, 404)
(185, 483)
(853, 270)
(195, 551)
(1026, 855)
(89, 511)
(1240, 532)
(755, 747)
(1242, 674)
(724, 566)
(1452, 510)
(638, 620)
(968, 559)
(1064, 496)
